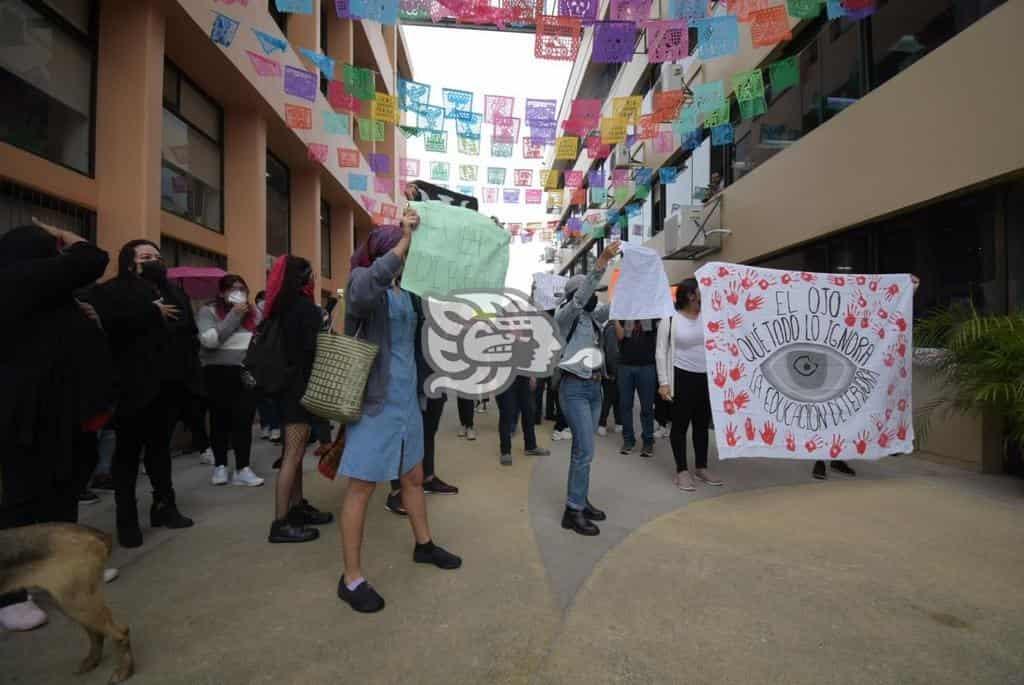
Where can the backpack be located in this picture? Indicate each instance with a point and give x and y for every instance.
(265, 365)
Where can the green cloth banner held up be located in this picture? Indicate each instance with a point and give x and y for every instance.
(454, 249)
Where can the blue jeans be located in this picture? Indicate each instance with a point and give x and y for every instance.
(642, 380)
(580, 402)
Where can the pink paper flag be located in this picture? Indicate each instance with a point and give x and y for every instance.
(500, 105)
(369, 203)
(667, 41)
(317, 152)
(264, 66)
(665, 142)
(588, 111)
(533, 196)
(385, 185)
(410, 168)
(524, 177)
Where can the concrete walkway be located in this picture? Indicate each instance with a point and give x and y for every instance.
(910, 573)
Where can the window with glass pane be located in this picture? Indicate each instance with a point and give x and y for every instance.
(279, 232)
(191, 167)
(46, 82)
(1015, 244)
(325, 239)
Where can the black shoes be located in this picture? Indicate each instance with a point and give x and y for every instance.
(819, 470)
(290, 530)
(429, 553)
(842, 467)
(309, 515)
(87, 496)
(436, 486)
(575, 520)
(129, 536)
(164, 512)
(647, 451)
(394, 504)
(592, 513)
(363, 599)
(627, 449)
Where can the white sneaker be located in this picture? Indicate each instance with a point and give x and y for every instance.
(602, 431)
(561, 435)
(470, 434)
(265, 433)
(22, 616)
(618, 428)
(110, 575)
(462, 432)
(275, 435)
(247, 478)
(207, 457)
(220, 475)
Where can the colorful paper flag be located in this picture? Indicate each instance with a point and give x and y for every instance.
(585, 10)
(385, 185)
(502, 105)
(587, 111)
(511, 196)
(412, 95)
(348, 158)
(543, 133)
(524, 177)
(784, 73)
(270, 44)
(223, 30)
(532, 150)
(294, 6)
(458, 104)
(340, 100)
(410, 168)
(717, 36)
(298, 117)
(322, 62)
(719, 116)
(667, 41)
(595, 179)
(748, 85)
(753, 108)
(496, 175)
(264, 66)
(687, 9)
(722, 135)
(360, 83)
(506, 130)
(439, 171)
(627, 107)
(534, 196)
(573, 179)
(665, 142)
(635, 11)
(596, 149)
(317, 152)
(744, 8)
(430, 118)
(435, 141)
(567, 147)
(708, 97)
(613, 130)
(598, 196)
(470, 126)
(380, 163)
(769, 27)
(646, 127)
(491, 196)
(370, 130)
(557, 38)
(804, 9)
(541, 111)
(613, 42)
(357, 182)
(668, 174)
(468, 172)
(300, 83)
(337, 124)
(385, 108)
(468, 146)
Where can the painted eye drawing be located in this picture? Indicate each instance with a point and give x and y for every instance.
(807, 372)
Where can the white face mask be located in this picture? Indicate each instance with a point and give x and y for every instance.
(237, 297)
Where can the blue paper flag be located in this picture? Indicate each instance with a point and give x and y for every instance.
(294, 6)
(709, 97)
(412, 95)
(358, 181)
(692, 140)
(836, 10)
(717, 36)
(687, 9)
(322, 62)
(668, 174)
(722, 135)
(595, 179)
(469, 128)
(634, 209)
(643, 175)
(458, 104)
(270, 44)
(465, 190)
(223, 30)
(387, 12)
(430, 118)
(359, 9)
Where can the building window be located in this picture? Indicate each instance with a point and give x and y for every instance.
(280, 18)
(19, 204)
(47, 80)
(177, 253)
(192, 153)
(279, 215)
(325, 239)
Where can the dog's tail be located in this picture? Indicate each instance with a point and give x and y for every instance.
(105, 538)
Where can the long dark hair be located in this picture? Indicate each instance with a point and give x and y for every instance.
(126, 257)
(685, 288)
(297, 272)
(228, 281)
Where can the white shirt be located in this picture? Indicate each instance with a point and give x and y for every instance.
(688, 339)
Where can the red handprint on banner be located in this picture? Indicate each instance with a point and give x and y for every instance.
(742, 400)
(862, 442)
(837, 446)
(714, 326)
(861, 280)
(747, 282)
(737, 372)
(750, 429)
(901, 346)
(873, 285)
(862, 302)
(883, 438)
(786, 279)
(735, 321)
(851, 316)
(808, 277)
(883, 314)
(724, 271)
(729, 403)
(706, 282)
(731, 438)
(837, 280)
(765, 283)
(754, 303)
(814, 444)
(901, 324)
(865, 321)
(710, 345)
(790, 441)
(721, 377)
(902, 405)
(903, 372)
(880, 331)
(733, 296)
(716, 301)
(768, 433)
(734, 349)
(892, 292)
(901, 431)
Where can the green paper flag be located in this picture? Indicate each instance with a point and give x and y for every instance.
(784, 73)
(454, 248)
(748, 85)
(753, 108)
(804, 9)
(436, 141)
(642, 192)
(359, 83)
(439, 171)
(408, 131)
(597, 196)
(496, 175)
(370, 130)
(621, 194)
(719, 116)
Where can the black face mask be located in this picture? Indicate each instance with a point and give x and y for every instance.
(154, 271)
(591, 304)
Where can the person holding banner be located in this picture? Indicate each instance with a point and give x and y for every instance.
(683, 380)
(388, 440)
(579, 392)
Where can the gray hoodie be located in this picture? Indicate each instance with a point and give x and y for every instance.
(584, 336)
(224, 341)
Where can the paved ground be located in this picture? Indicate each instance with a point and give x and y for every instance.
(910, 573)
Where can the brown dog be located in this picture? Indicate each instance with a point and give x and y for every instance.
(67, 561)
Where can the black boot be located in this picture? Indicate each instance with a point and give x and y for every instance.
(592, 513)
(573, 519)
(291, 529)
(819, 470)
(310, 515)
(842, 467)
(164, 512)
(129, 534)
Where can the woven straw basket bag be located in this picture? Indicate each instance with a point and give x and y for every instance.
(338, 380)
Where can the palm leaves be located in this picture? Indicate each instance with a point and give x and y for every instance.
(982, 367)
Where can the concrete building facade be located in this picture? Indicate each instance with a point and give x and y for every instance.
(125, 120)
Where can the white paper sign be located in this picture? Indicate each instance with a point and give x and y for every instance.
(806, 365)
(642, 291)
(548, 293)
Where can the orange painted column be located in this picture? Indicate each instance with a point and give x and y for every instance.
(305, 208)
(342, 243)
(304, 32)
(245, 195)
(129, 122)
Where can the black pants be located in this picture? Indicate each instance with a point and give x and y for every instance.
(662, 411)
(431, 420)
(552, 403)
(609, 402)
(691, 404)
(31, 495)
(516, 402)
(146, 433)
(232, 407)
(538, 400)
(466, 412)
(191, 409)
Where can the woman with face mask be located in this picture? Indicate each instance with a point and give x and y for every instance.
(290, 301)
(152, 337)
(225, 329)
(387, 442)
(683, 381)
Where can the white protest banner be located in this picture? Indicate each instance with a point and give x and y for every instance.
(807, 365)
(548, 290)
(642, 291)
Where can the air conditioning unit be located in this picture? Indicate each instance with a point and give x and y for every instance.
(694, 232)
(620, 156)
(672, 77)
